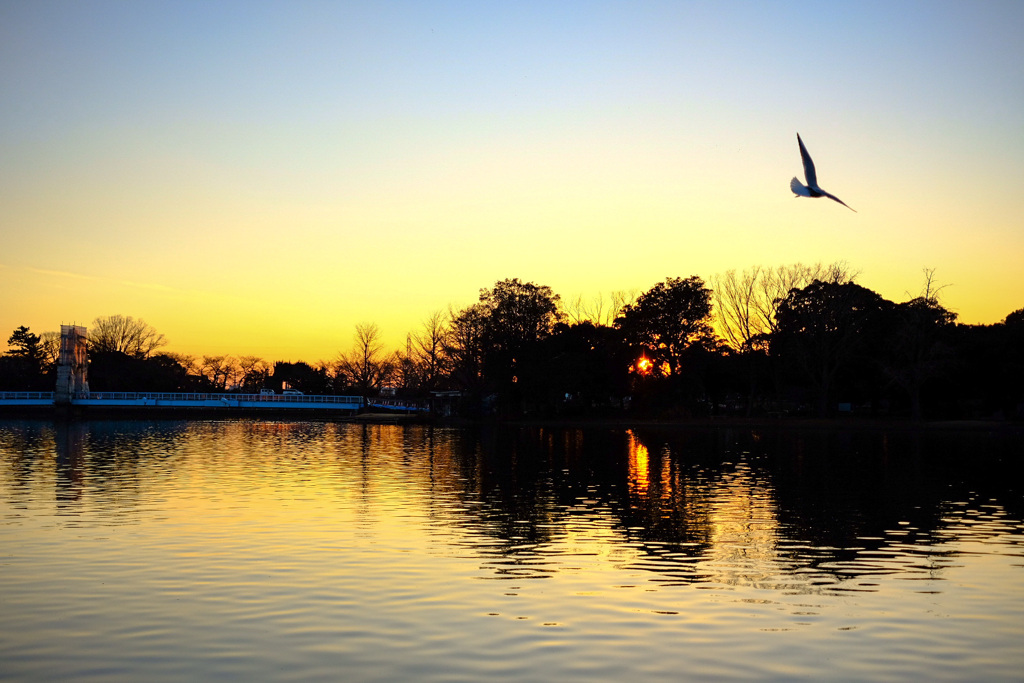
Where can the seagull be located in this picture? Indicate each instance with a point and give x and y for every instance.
(811, 189)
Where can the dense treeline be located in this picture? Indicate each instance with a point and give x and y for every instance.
(767, 341)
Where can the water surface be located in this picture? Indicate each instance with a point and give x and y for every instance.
(235, 550)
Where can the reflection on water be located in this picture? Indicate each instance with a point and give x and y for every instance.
(179, 549)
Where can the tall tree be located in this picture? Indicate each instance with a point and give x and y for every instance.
(222, 372)
(27, 346)
(301, 376)
(22, 366)
(518, 314)
(428, 352)
(585, 369)
(746, 303)
(746, 310)
(667, 319)
(823, 327)
(465, 346)
(918, 347)
(597, 311)
(366, 367)
(126, 335)
(50, 344)
(255, 373)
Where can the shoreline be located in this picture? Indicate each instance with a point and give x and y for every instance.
(801, 423)
(672, 424)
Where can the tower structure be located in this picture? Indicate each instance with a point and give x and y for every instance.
(72, 364)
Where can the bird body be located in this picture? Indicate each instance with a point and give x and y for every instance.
(811, 189)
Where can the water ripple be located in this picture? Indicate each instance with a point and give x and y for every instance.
(278, 550)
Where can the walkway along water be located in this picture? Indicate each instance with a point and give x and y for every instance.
(145, 400)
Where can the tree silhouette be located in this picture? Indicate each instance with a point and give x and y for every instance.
(117, 371)
(746, 304)
(583, 369)
(301, 376)
(255, 373)
(810, 328)
(27, 346)
(22, 366)
(518, 314)
(667, 319)
(493, 345)
(50, 345)
(919, 346)
(1013, 328)
(366, 368)
(465, 348)
(823, 327)
(124, 334)
(221, 372)
(427, 352)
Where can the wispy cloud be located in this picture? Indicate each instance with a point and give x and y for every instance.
(150, 286)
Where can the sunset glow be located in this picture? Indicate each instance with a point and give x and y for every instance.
(259, 179)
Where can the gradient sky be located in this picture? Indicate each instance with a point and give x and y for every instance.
(258, 178)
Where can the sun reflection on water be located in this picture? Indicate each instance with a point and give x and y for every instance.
(744, 531)
(639, 467)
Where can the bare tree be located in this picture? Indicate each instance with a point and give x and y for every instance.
(576, 310)
(736, 307)
(428, 351)
(929, 290)
(254, 372)
(366, 368)
(189, 363)
(126, 335)
(599, 311)
(465, 345)
(223, 372)
(747, 303)
(747, 307)
(406, 373)
(50, 345)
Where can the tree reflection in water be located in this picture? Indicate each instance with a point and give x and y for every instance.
(793, 509)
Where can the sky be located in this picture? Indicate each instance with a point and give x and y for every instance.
(257, 178)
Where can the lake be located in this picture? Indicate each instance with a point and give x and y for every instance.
(263, 550)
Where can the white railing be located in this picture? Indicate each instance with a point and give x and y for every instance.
(398, 403)
(260, 398)
(186, 397)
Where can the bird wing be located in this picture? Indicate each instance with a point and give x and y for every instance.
(798, 188)
(809, 175)
(837, 199)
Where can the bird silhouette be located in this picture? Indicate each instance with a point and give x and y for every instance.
(811, 189)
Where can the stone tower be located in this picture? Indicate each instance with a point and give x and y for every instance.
(72, 365)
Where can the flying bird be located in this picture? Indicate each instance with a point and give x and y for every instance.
(811, 189)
